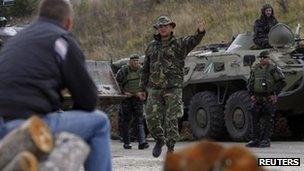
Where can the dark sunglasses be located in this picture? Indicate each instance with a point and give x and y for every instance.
(264, 57)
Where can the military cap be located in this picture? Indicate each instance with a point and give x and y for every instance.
(134, 56)
(163, 20)
(264, 53)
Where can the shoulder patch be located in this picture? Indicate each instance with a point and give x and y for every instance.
(61, 48)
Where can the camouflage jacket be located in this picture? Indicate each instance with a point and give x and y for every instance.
(272, 75)
(124, 77)
(261, 29)
(164, 63)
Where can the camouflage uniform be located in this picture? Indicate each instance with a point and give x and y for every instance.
(163, 79)
(262, 84)
(262, 27)
(132, 107)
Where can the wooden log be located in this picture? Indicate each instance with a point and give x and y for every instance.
(69, 154)
(33, 135)
(24, 161)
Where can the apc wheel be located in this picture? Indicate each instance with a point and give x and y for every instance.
(206, 116)
(238, 116)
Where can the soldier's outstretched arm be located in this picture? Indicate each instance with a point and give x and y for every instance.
(188, 43)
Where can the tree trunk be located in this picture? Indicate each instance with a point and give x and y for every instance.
(69, 154)
(33, 136)
(24, 161)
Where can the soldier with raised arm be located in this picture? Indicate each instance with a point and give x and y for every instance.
(162, 80)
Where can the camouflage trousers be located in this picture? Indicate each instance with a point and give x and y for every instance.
(263, 119)
(164, 107)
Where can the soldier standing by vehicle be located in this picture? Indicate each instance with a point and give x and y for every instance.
(163, 78)
(265, 83)
(263, 25)
(128, 78)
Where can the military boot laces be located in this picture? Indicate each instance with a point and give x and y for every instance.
(143, 146)
(264, 143)
(252, 143)
(158, 148)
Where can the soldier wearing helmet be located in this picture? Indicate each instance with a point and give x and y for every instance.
(263, 25)
(265, 83)
(162, 80)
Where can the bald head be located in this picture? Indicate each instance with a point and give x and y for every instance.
(58, 10)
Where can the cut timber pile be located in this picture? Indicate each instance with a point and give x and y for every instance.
(69, 154)
(30, 147)
(24, 161)
(33, 136)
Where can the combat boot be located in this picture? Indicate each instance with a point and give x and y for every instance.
(158, 148)
(264, 143)
(253, 143)
(126, 137)
(143, 146)
(127, 146)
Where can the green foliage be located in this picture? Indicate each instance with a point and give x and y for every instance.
(116, 28)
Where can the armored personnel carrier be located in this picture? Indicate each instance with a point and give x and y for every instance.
(215, 84)
(215, 96)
